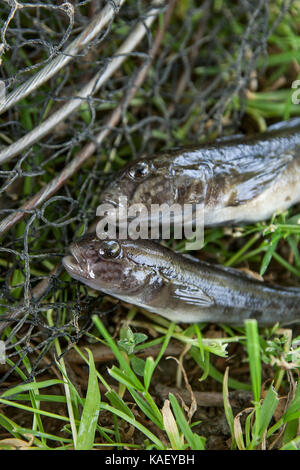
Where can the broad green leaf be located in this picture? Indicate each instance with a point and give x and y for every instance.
(138, 365)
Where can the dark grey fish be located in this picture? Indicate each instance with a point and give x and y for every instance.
(177, 287)
(239, 179)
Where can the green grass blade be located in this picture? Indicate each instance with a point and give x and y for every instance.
(149, 409)
(269, 253)
(293, 412)
(215, 374)
(195, 442)
(40, 398)
(227, 406)
(148, 371)
(33, 410)
(118, 403)
(290, 432)
(200, 341)
(134, 423)
(118, 354)
(30, 386)
(126, 380)
(28, 432)
(267, 409)
(253, 348)
(90, 412)
(292, 445)
(10, 426)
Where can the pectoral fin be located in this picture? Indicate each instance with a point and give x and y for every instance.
(252, 175)
(187, 293)
(192, 296)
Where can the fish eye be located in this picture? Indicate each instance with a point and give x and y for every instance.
(109, 249)
(139, 171)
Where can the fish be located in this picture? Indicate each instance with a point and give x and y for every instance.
(238, 180)
(180, 288)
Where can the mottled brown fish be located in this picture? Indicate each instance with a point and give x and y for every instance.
(180, 288)
(241, 179)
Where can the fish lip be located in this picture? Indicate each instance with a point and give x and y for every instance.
(74, 253)
(72, 266)
(68, 263)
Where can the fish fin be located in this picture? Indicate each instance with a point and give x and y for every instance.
(192, 295)
(253, 175)
(246, 167)
(187, 293)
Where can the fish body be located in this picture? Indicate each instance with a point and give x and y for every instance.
(241, 179)
(180, 288)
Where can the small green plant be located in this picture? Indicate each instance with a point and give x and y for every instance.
(128, 344)
(258, 428)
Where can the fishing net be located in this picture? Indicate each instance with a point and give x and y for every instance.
(75, 107)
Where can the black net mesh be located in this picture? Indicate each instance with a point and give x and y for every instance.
(196, 86)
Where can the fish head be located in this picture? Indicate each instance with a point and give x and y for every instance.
(122, 268)
(147, 181)
(170, 178)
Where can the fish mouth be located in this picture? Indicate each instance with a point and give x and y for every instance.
(73, 264)
(77, 267)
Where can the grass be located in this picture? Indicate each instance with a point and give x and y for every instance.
(81, 420)
(115, 405)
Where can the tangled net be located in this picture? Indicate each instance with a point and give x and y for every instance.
(85, 86)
